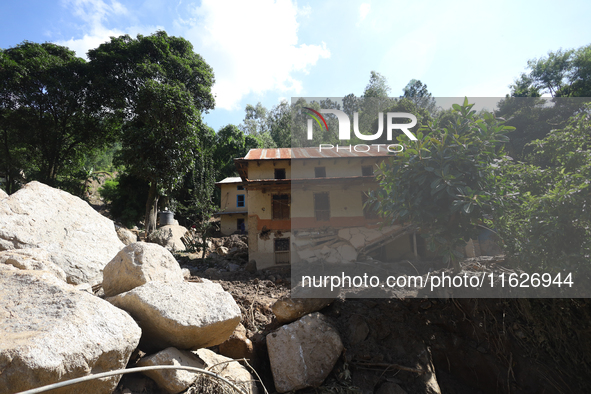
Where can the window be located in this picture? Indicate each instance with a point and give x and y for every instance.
(240, 200)
(279, 173)
(281, 204)
(368, 210)
(240, 226)
(239, 187)
(367, 170)
(320, 172)
(282, 255)
(321, 206)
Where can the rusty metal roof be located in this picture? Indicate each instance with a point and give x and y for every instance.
(318, 153)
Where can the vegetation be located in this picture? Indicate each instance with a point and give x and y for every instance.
(444, 182)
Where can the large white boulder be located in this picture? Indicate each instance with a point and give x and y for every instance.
(80, 240)
(303, 353)
(31, 259)
(3, 194)
(50, 332)
(184, 315)
(137, 264)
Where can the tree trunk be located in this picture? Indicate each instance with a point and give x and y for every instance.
(151, 208)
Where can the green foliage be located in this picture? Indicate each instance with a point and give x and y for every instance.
(445, 183)
(49, 116)
(126, 196)
(159, 87)
(564, 73)
(417, 92)
(549, 224)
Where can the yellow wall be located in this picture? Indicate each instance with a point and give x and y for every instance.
(228, 223)
(264, 169)
(228, 201)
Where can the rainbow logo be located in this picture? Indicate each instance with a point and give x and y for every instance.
(316, 119)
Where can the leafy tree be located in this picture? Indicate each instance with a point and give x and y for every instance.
(159, 87)
(49, 114)
(549, 225)
(444, 182)
(255, 121)
(230, 143)
(417, 92)
(564, 73)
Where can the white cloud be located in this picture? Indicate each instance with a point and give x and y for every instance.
(252, 46)
(364, 9)
(94, 14)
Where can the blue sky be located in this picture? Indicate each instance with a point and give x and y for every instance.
(265, 51)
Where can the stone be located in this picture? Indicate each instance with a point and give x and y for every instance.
(303, 353)
(50, 332)
(184, 315)
(137, 264)
(186, 273)
(229, 369)
(80, 240)
(173, 381)
(290, 309)
(32, 259)
(3, 194)
(238, 345)
(169, 236)
(125, 235)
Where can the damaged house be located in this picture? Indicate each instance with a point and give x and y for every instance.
(304, 203)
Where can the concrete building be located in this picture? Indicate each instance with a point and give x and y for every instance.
(233, 206)
(311, 202)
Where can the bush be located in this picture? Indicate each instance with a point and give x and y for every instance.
(127, 197)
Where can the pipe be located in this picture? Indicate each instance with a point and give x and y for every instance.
(125, 371)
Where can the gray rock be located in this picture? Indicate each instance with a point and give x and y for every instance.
(290, 309)
(50, 332)
(169, 236)
(32, 259)
(173, 381)
(303, 353)
(184, 315)
(137, 264)
(125, 235)
(80, 240)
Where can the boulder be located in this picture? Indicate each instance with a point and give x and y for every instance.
(125, 235)
(184, 315)
(238, 345)
(3, 194)
(290, 309)
(229, 369)
(80, 240)
(390, 388)
(303, 353)
(169, 236)
(50, 332)
(32, 259)
(173, 381)
(137, 264)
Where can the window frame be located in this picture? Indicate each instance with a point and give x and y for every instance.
(238, 200)
(322, 215)
(278, 211)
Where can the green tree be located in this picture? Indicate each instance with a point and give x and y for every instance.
(230, 143)
(417, 92)
(50, 114)
(549, 225)
(444, 182)
(564, 73)
(159, 87)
